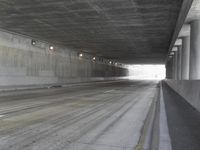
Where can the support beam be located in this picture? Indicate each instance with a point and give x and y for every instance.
(186, 5)
(195, 50)
(185, 58)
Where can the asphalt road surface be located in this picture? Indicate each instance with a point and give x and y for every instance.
(106, 116)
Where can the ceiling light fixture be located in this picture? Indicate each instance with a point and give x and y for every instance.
(33, 42)
(81, 55)
(51, 47)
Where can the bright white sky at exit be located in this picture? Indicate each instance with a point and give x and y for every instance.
(147, 72)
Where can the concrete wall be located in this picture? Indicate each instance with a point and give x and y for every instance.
(22, 63)
(189, 89)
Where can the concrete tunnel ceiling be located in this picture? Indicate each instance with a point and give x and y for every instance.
(129, 31)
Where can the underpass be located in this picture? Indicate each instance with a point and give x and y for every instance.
(69, 75)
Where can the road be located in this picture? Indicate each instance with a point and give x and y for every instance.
(106, 116)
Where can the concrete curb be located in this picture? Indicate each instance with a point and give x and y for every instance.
(34, 87)
(164, 137)
(155, 132)
(148, 136)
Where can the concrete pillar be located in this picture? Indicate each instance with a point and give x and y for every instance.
(167, 66)
(175, 76)
(194, 73)
(185, 58)
(179, 62)
(171, 68)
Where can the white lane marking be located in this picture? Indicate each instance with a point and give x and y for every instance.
(165, 141)
(2, 116)
(109, 91)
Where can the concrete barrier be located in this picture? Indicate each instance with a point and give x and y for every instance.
(188, 89)
(23, 63)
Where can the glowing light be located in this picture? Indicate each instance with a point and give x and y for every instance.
(51, 47)
(33, 42)
(81, 55)
(94, 58)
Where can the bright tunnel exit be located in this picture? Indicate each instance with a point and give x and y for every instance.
(147, 72)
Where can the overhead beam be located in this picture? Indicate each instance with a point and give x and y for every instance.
(186, 5)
